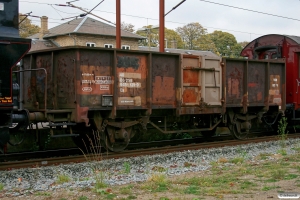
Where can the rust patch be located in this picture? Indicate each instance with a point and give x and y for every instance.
(191, 76)
(233, 87)
(252, 85)
(163, 90)
(259, 96)
(189, 96)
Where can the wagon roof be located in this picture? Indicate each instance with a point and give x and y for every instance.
(296, 39)
(86, 25)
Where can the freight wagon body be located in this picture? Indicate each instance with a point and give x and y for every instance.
(275, 46)
(115, 90)
(255, 93)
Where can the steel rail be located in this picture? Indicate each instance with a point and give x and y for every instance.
(132, 153)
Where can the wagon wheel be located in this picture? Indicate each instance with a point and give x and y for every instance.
(237, 132)
(119, 144)
(17, 133)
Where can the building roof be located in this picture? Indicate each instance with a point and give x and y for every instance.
(86, 25)
(42, 44)
(181, 51)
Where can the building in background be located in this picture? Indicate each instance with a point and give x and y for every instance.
(82, 32)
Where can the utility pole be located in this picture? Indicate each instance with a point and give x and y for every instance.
(161, 25)
(118, 24)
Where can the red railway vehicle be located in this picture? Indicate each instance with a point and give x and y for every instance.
(276, 46)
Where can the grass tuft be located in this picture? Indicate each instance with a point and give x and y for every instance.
(63, 178)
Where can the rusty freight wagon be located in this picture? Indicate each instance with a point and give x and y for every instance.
(276, 46)
(255, 94)
(119, 93)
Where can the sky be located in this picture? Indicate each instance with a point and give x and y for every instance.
(282, 16)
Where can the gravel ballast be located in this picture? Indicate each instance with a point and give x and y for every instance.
(128, 170)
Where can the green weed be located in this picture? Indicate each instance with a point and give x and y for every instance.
(42, 194)
(127, 167)
(282, 132)
(247, 184)
(267, 188)
(157, 183)
(126, 189)
(99, 177)
(237, 160)
(192, 189)
(62, 178)
(278, 174)
(290, 176)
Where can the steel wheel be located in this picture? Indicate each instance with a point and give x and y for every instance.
(117, 145)
(235, 130)
(17, 134)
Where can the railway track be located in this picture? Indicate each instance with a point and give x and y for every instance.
(19, 156)
(34, 163)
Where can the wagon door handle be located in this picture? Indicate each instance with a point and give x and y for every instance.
(298, 84)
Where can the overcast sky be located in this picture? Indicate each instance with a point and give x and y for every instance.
(244, 25)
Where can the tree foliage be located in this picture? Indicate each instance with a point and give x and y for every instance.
(205, 43)
(243, 44)
(193, 36)
(151, 34)
(127, 27)
(26, 28)
(190, 34)
(172, 36)
(225, 43)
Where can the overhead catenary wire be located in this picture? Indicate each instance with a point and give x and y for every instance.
(237, 31)
(175, 7)
(250, 10)
(87, 12)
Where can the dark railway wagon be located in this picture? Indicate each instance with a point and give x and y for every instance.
(276, 46)
(255, 93)
(119, 93)
(117, 90)
(12, 49)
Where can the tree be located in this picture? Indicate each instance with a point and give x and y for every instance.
(151, 34)
(243, 44)
(191, 33)
(205, 43)
(26, 28)
(225, 43)
(173, 36)
(127, 27)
